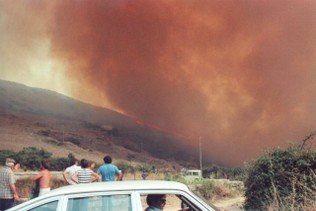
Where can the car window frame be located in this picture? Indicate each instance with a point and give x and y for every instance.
(40, 202)
(188, 195)
(134, 198)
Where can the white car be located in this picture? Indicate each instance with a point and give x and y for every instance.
(115, 196)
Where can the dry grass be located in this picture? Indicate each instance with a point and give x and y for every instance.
(307, 199)
(24, 186)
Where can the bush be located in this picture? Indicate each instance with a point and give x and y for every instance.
(206, 189)
(220, 172)
(284, 179)
(59, 164)
(31, 157)
(177, 178)
(211, 190)
(145, 168)
(126, 167)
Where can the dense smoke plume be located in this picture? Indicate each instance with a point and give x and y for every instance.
(240, 74)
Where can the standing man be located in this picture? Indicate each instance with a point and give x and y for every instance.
(8, 191)
(43, 178)
(71, 170)
(108, 171)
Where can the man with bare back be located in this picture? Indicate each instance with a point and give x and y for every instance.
(42, 178)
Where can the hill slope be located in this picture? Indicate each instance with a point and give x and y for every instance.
(42, 118)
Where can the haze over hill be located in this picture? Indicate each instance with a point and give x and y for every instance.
(44, 118)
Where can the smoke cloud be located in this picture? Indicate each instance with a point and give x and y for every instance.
(240, 74)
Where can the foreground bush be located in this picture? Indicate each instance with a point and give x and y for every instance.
(208, 189)
(282, 180)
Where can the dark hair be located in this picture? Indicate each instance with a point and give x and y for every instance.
(73, 161)
(84, 163)
(45, 164)
(107, 159)
(152, 198)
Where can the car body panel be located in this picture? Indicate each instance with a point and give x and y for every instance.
(134, 188)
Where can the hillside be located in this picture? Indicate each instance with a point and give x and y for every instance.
(49, 120)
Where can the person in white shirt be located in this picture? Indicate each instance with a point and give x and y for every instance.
(70, 171)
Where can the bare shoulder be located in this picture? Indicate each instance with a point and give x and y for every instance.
(46, 173)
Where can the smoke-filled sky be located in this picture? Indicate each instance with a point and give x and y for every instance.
(239, 73)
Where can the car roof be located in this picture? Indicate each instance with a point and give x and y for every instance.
(118, 186)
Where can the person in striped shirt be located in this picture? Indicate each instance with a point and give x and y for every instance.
(85, 174)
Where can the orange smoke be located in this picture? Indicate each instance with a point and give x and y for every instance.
(241, 74)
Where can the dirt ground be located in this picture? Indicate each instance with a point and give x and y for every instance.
(230, 204)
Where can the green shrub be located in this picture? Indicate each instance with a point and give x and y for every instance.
(59, 164)
(126, 167)
(283, 179)
(31, 157)
(145, 168)
(221, 172)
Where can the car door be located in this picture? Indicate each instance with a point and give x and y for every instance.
(175, 200)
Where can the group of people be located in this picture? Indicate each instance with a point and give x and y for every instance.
(83, 173)
(74, 174)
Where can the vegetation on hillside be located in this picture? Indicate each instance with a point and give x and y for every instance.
(30, 158)
(219, 172)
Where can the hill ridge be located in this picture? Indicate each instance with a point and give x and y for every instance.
(51, 115)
